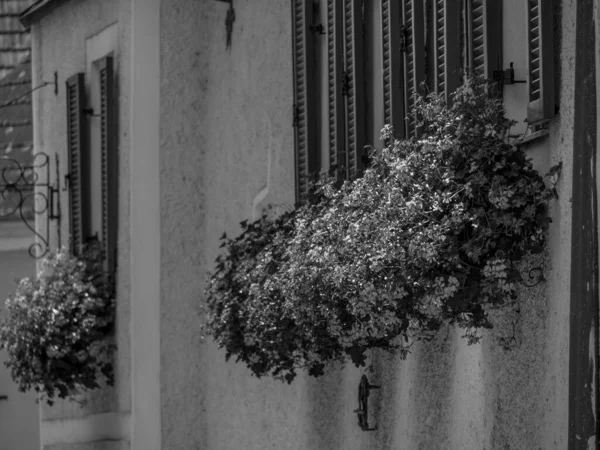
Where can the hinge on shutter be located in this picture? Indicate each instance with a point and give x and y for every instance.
(28, 191)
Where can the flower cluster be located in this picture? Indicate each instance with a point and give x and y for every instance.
(56, 326)
(431, 234)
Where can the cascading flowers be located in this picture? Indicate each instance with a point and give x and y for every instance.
(56, 327)
(432, 233)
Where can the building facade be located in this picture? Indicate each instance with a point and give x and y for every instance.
(192, 116)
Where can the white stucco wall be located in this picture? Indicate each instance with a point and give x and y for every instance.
(225, 119)
(61, 40)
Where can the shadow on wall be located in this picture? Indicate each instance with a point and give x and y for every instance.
(326, 410)
(411, 410)
(415, 400)
(516, 377)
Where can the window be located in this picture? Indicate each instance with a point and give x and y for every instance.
(358, 65)
(93, 159)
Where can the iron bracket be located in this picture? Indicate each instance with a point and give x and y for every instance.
(364, 388)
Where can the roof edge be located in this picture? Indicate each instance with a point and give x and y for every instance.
(35, 12)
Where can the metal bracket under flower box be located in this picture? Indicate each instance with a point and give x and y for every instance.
(362, 412)
(26, 193)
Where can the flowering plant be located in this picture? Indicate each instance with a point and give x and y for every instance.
(431, 234)
(56, 326)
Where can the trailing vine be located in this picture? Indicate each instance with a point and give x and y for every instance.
(432, 234)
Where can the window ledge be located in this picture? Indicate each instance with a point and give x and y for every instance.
(537, 131)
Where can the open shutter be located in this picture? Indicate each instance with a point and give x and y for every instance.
(335, 71)
(485, 37)
(355, 87)
(540, 60)
(446, 47)
(78, 158)
(307, 153)
(393, 76)
(109, 170)
(414, 58)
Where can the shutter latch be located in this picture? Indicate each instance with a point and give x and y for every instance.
(507, 76)
(317, 29)
(89, 112)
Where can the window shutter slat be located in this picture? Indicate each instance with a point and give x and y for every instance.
(540, 61)
(109, 170)
(485, 37)
(307, 154)
(446, 47)
(414, 58)
(355, 95)
(335, 70)
(393, 101)
(78, 160)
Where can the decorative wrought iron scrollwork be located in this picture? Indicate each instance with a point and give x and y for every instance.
(534, 277)
(26, 192)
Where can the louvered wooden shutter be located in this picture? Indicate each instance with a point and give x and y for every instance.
(446, 47)
(307, 153)
(393, 76)
(109, 169)
(78, 158)
(355, 87)
(485, 37)
(414, 57)
(540, 60)
(335, 73)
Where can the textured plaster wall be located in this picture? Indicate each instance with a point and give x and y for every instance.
(59, 44)
(226, 141)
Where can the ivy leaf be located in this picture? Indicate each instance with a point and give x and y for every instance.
(555, 169)
(317, 369)
(516, 254)
(514, 275)
(289, 377)
(537, 249)
(357, 355)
